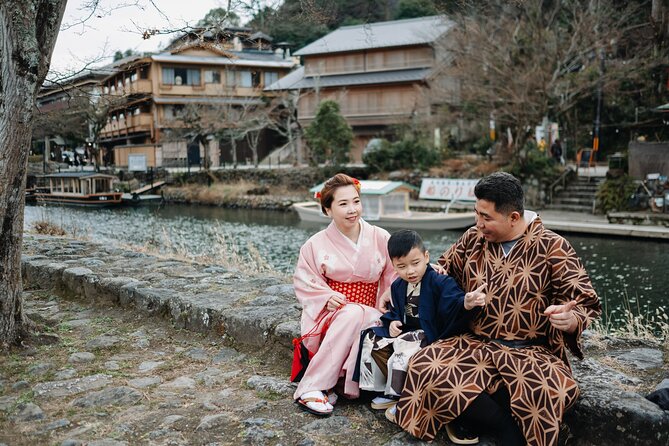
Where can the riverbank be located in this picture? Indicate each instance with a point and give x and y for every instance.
(258, 316)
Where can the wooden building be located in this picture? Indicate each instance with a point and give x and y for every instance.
(198, 92)
(379, 74)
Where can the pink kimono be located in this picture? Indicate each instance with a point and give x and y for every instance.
(331, 255)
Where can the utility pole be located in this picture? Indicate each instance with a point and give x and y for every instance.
(598, 113)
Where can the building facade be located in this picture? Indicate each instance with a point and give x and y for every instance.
(192, 103)
(379, 73)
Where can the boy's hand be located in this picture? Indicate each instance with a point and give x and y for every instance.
(395, 328)
(475, 298)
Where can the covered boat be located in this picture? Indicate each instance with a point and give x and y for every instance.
(91, 189)
(386, 203)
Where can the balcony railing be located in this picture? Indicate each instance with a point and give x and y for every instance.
(140, 86)
(316, 68)
(130, 124)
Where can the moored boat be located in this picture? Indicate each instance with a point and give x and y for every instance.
(89, 189)
(386, 203)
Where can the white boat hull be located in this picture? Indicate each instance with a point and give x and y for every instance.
(311, 212)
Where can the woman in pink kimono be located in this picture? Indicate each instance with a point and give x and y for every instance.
(342, 280)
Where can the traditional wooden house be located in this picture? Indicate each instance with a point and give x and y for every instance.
(379, 73)
(190, 103)
(66, 120)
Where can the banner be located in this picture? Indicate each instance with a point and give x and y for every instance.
(447, 189)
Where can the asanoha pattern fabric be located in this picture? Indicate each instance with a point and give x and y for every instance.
(445, 377)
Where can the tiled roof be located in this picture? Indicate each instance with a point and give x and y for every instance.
(287, 82)
(423, 30)
(381, 77)
(241, 58)
(207, 100)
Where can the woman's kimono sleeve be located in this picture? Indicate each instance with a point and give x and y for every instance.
(311, 289)
(388, 274)
(570, 281)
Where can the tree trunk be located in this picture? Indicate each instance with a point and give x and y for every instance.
(28, 31)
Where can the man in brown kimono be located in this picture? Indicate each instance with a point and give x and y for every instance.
(510, 376)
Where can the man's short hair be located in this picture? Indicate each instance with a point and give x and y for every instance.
(402, 242)
(504, 190)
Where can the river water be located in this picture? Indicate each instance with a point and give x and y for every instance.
(626, 273)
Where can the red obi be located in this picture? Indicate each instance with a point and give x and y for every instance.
(356, 292)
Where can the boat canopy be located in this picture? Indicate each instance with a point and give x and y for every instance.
(382, 197)
(376, 187)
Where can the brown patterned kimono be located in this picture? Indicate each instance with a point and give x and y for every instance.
(444, 378)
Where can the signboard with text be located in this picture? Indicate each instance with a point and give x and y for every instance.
(136, 163)
(447, 189)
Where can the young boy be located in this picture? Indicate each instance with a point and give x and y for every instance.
(426, 306)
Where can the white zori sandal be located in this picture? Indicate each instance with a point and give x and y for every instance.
(315, 402)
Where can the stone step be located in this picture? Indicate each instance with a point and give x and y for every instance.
(584, 201)
(579, 194)
(570, 208)
(584, 188)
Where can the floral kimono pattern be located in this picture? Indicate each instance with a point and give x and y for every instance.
(326, 257)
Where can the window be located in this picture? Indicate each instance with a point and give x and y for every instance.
(245, 80)
(144, 73)
(174, 111)
(212, 77)
(271, 77)
(133, 77)
(255, 78)
(181, 76)
(230, 79)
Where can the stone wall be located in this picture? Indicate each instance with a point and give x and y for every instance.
(262, 313)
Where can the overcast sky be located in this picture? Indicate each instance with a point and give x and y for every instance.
(110, 30)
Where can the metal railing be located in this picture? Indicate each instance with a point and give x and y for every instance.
(562, 179)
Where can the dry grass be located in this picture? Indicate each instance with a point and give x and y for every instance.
(45, 227)
(219, 193)
(228, 253)
(636, 323)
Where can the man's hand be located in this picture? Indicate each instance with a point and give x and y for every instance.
(384, 302)
(335, 302)
(562, 317)
(475, 298)
(438, 268)
(395, 328)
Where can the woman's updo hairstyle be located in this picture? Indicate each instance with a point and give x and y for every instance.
(326, 195)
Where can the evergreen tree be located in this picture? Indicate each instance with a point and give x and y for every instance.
(329, 136)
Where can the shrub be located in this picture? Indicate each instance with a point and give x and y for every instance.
(407, 153)
(329, 136)
(614, 194)
(535, 164)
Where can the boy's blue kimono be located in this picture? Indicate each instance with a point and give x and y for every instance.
(441, 308)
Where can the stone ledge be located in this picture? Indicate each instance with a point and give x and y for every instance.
(261, 312)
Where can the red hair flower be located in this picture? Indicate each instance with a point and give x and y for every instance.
(317, 195)
(356, 183)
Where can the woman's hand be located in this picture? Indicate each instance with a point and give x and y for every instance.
(335, 302)
(384, 302)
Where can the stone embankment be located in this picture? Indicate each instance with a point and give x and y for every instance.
(156, 384)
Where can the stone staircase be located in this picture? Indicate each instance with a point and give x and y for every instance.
(578, 196)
